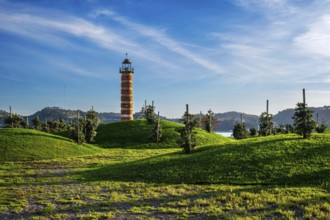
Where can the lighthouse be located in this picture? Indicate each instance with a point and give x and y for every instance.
(126, 104)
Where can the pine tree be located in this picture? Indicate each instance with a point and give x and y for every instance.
(322, 128)
(148, 112)
(266, 124)
(36, 123)
(91, 123)
(13, 121)
(188, 139)
(77, 133)
(303, 122)
(210, 120)
(240, 131)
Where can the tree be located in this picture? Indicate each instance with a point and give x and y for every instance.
(281, 129)
(322, 128)
(77, 133)
(90, 126)
(188, 139)
(253, 132)
(148, 112)
(36, 123)
(265, 124)
(303, 122)
(240, 131)
(13, 121)
(157, 129)
(209, 120)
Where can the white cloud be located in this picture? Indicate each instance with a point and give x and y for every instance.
(317, 38)
(164, 40)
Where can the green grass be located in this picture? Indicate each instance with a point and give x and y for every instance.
(275, 177)
(27, 144)
(135, 134)
(59, 189)
(274, 160)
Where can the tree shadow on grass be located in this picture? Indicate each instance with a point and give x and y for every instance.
(226, 164)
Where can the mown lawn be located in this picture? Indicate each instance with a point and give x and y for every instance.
(276, 177)
(59, 189)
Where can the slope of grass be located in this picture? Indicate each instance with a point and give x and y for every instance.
(135, 134)
(280, 159)
(54, 189)
(26, 144)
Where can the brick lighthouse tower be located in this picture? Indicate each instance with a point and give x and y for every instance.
(126, 104)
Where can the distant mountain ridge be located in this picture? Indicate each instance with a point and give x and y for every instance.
(227, 119)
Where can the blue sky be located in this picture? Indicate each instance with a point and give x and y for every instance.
(224, 55)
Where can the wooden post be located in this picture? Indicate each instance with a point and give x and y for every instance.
(210, 122)
(11, 117)
(145, 107)
(304, 97)
(158, 127)
(78, 126)
(304, 102)
(200, 120)
(188, 127)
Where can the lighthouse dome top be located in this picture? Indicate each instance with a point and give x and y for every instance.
(127, 61)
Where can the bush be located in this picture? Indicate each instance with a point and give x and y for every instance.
(253, 132)
(240, 131)
(322, 128)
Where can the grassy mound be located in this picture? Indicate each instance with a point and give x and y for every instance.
(26, 144)
(135, 134)
(280, 159)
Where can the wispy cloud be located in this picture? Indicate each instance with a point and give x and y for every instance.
(316, 40)
(158, 36)
(52, 27)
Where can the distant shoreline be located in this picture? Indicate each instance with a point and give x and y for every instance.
(225, 133)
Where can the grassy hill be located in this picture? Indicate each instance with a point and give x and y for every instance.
(280, 159)
(135, 134)
(26, 144)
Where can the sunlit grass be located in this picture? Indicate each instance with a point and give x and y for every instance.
(27, 144)
(277, 177)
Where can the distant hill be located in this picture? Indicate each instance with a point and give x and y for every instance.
(55, 113)
(285, 116)
(227, 119)
(3, 114)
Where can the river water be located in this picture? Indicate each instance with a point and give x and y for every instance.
(225, 133)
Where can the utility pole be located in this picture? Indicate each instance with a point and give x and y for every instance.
(188, 127)
(304, 97)
(11, 117)
(158, 128)
(305, 112)
(78, 126)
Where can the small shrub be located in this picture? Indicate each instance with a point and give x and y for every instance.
(240, 131)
